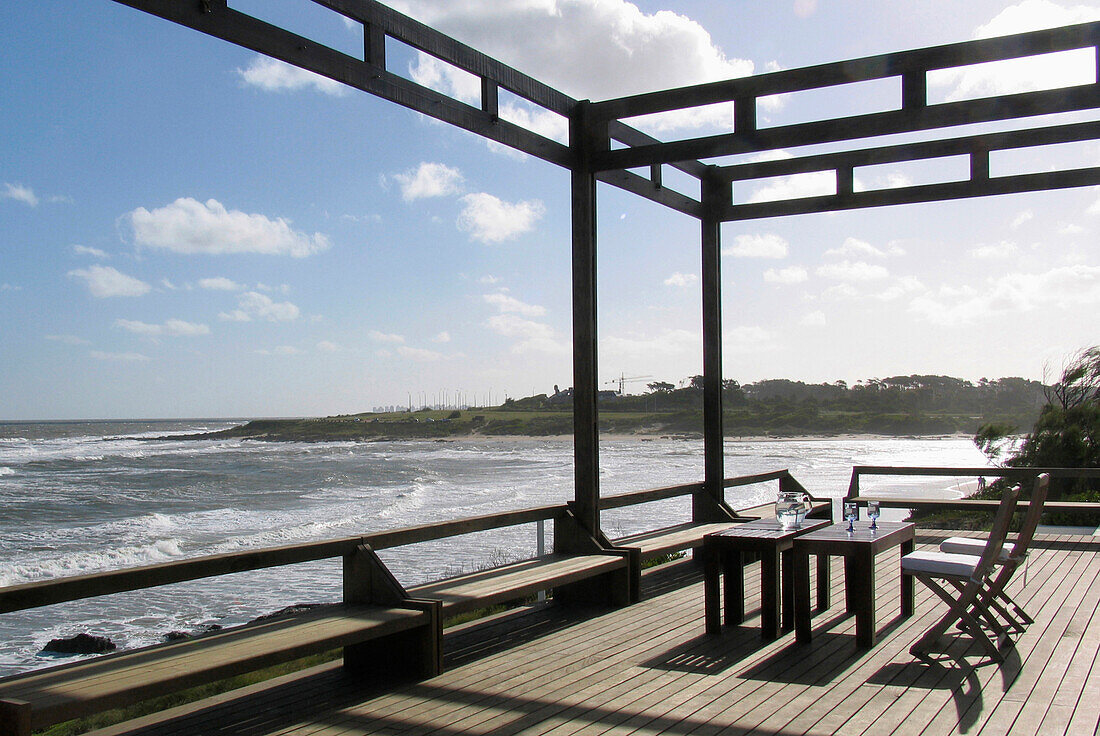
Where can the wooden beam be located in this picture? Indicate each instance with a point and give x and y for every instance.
(716, 195)
(643, 187)
(916, 194)
(891, 122)
(908, 63)
(962, 146)
(583, 137)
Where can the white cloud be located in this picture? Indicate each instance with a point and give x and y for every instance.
(385, 337)
(588, 49)
(68, 339)
(272, 75)
(813, 319)
(748, 339)
(83, 250)
(9, 287)
(856, 248)
(852, 271)
(681, 279)
(991, 251)
(805, 8)
(1066, 287)
(904, 286)
(442, 337)
(796, 186)
(1027, 74)
(1070, 228)
(429, 180)
(119, 357)
(171, 328)
(104, 281)
(792, 275)
(1094, 208)
(768, 245)
(506, 303)
(220, 283)
(532, 336)
(491, 220)
(667, 344)
(326, 346)
(1021, 219)
(253, 305)
(19, 193)
(488, 279)
(189, 226)
(419, 354)
(279, 350)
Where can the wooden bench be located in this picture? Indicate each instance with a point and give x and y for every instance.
(405, 641)
(603, 578)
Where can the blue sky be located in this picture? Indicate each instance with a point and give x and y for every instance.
(189, 230)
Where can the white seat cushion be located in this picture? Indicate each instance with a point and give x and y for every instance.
(971, 546)
(940, 564)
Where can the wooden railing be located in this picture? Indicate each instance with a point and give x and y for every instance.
(967, 504)
(61, 590)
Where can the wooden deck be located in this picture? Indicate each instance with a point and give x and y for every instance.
(650, 668)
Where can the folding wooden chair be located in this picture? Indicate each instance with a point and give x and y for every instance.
(995, 596)
(968, 576)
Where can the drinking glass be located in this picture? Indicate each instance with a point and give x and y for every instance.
(851, 513)
(873, 512)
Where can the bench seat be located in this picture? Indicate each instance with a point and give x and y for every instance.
(44, 697)
(671, 539)
(517, 580)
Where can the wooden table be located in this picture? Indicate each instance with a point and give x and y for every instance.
(724, 553)
(859, 549)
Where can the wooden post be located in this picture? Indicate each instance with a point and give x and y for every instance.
(716, 194)
(583, 140)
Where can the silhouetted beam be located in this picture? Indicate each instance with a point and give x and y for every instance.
(924, 150)
(912, 195)
(859, 126)
(643, 187)
(252, 33)
(915, 62)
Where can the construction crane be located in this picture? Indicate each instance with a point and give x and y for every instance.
(623, 379)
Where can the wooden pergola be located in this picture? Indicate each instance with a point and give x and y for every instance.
(590, 157)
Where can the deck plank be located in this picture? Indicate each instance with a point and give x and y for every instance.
(649, 668)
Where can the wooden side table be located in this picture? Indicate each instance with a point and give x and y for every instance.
(859, 548)
(724, 554)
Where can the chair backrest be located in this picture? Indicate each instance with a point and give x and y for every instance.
(1031, 519)
(998, 533)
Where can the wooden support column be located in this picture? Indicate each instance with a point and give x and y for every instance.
(584, 139)
(706, 506)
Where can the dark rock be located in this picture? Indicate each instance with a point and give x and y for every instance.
(296, 610)
(176, 636)
(80, 644)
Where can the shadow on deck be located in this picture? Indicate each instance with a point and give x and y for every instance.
(649, 669)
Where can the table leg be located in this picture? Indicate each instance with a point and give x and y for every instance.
(800, 574)
(861, 583)
(769, 594)
(788, 591)
(850, 572)
(906, 584)
(824, 583)
(712, 606)
(734, 579)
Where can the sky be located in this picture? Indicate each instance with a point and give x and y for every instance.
(188, 229)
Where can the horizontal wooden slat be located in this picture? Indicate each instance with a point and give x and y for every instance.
(499, 584)
(672, 539)
(70, 690)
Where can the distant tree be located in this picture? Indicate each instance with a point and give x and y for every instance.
(1067, 433)
(660, 387)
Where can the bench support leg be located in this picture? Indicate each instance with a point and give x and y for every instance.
(416, 654)
(15, 718)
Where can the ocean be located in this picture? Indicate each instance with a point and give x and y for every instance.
(85, 497)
